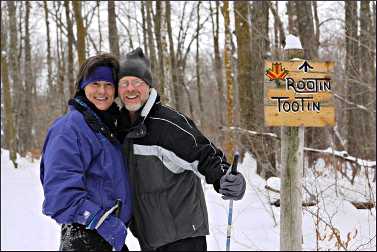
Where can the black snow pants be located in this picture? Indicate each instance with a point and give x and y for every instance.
(75, 237)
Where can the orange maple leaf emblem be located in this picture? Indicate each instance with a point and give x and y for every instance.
(276, 72)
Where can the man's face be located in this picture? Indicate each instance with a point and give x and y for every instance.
(133, 92)
(100, 93)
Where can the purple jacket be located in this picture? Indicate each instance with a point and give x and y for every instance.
(82, 172)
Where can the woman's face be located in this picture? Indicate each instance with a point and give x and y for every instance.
(101, 94)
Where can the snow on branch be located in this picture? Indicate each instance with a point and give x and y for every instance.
(353, 104)
(344, 155)
(272, 135)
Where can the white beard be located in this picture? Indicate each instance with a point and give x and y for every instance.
(133, 107)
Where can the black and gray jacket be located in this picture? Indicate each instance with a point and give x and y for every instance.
(166, 155)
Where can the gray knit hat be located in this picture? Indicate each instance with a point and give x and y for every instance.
(136, 64)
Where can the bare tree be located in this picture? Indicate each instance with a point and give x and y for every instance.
(198, 83)
(71, 80)
(27, 108)
(228, 76)
(59, 94)
(365, 93)
(9, 131)
(15, 67)
(81, 32)
(218, 63)
(352, 75)
(49, 63)
(173, 65)
(151, 47)
(160, 65)
(292, 18)
(144, 23)
(113, 31)
(244, 76)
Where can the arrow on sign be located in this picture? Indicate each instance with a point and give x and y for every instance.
(305, 66)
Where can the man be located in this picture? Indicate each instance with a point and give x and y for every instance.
(166, 154)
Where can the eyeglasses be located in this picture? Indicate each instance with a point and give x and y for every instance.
(135, 83)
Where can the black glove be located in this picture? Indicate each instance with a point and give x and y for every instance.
(232, 186)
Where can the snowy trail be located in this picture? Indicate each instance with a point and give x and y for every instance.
(255, 221)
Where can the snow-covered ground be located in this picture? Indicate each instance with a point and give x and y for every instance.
(255, 221)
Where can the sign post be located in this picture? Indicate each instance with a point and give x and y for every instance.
(297, 94)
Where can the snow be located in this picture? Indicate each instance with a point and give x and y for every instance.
(255, 220)
(292, 42)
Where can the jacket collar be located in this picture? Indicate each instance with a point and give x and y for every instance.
(149, 104)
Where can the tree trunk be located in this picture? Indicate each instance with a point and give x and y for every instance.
(364, 97)
(49, 64)
(228, 77)
(176, 87)
(218, 65)
(352, 75)
(9, 130)
(292, 18)
(280, 35)
(152, 51)
(276, 31)
(261, 146)
(27, 106)
(113, 31)
(160, 65)
(316, 22)
(198, 84)
(244, 77)
(306, 29)
(71, 80)
(60, 100)
(143, 16)
(99, 26)
(81, 32)
(18, 90)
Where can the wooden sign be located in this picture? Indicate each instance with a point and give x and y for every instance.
(299, 93)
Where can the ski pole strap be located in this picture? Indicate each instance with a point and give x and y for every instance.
(107, 213)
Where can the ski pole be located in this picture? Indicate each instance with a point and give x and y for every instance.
(118, 203)
(230, 212)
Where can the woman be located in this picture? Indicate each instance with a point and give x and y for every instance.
(83, 173)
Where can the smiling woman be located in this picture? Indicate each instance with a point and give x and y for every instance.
(82, 164)
(100, 93)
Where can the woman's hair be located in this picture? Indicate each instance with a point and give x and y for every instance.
(103, 59)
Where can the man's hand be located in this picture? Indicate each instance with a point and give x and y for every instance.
(232, 186)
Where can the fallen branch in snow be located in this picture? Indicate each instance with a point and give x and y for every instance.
(271, 189)
(255, 133)
(363, 205)
(304, 203)
(344, 155)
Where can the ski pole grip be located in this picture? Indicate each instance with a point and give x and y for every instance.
(235, 163)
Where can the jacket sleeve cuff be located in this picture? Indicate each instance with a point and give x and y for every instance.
(86, 212)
